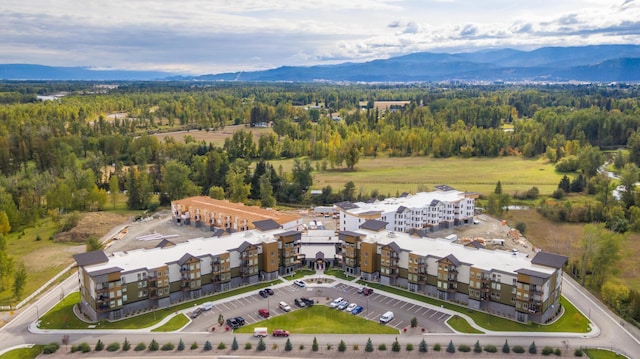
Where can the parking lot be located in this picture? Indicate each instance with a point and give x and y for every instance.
(375, 305)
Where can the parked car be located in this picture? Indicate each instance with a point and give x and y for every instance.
(386, 317)
(264, 313)
(260, 332)
(357, 310)
(233, 323)
(299, 302)
(196, 313)
(336, 302)
(343, 305)
(284, 306)
(351, 307)
(307, 301)
(263, 293)
(269, 291)
(361, 290)
(368, 291)
(299, 283)
(240, 320)
(207, 306)
(280, 333)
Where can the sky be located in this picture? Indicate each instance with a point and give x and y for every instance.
(215, 36)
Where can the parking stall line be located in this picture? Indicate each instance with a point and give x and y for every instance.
(434, 313)
(442, 316)
(405, 304)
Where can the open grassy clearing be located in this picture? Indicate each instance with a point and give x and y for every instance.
(320, 319)
(215, 137)
(603, 354)
(173, 324)
(61, 316)
(392, 175)
(572, 321)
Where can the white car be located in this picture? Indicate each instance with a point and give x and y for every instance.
(343, 304)
(351, 307)
(336, 302)
(299, 283)
(284, 306)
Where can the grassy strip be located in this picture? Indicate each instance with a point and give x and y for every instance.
(23, 353)
(62, 317)
(300, 273)
(175, 323)
(571, 321)
(602, 354)
(321, 319)
(338, 273)
(461, 325)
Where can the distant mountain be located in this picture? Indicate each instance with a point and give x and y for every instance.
(598, 63)
(40, 72)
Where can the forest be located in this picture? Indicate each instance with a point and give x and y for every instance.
(75, 154)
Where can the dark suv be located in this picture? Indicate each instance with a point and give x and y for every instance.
(233, 323)
(307, 301)
(300, 303)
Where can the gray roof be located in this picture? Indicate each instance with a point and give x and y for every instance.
(288, 234)
(217, 232)
(434, 203)
(351, 234)
(549, 259)
(242, 247)
(475, 244)
(90, 258)
(266, 225)
(105, 271)
(417, 231)
(396, 248)
(185, 258)
(165, 243)
(319, 255)
(453, 260)
(533, 273)
(346, 205)
(374, 225)
(402, 209)
(444, 187)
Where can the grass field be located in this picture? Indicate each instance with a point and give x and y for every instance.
(392, 175)
(24, 353)
(320, 319)
(602, 354)
(173, 324)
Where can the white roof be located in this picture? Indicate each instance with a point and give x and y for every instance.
(485, 259)
(418, 200)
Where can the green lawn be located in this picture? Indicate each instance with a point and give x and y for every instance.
(173, 324)
(572, 320)
(602, 354)
(320, 319)
(460, 324)
(300, 273)
(24, 353)
(339, 274)
(62, 317)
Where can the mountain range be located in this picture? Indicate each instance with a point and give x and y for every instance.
(597, 63)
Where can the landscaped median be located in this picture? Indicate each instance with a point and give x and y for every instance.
(62, 317)
(571, 321)
(320, 319)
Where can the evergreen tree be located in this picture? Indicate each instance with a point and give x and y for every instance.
(451, 348)
(532, 348)
(423, 346)
(180, 345)
(288, 346)
(154, 346)
(498, 189)
(395, 346)
(477, 348)
(234, 344)
(505, 347)
(207, 346)
(19, 281)
(261, 345)
(565, 184)
(99, 346)
(126, 345)
(369, 347)
(342, 346)
(314, 346)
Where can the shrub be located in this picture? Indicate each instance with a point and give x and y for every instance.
(167, 347)
(221, 346)
(314, 346)
(180, 345)
(261, 345)
(409, 347)
(505, 347)
(99, 346)
(518, 349)
(207, 346)
(356, 347)
(477, 348)
(532, 348)
(490, 348)
(414, 322)
(451, 348)
(248, 346)
(464, 348)
(113, 347)
(194, 346)
(274, 346)
(342, 346)
(301, 347)
(547, 350)
(329, 346)
(82, 347)
(437, 347)
(287, 345)
(382, 347)
(521, 226)
(395, 346)
(234, 344)
(126, 345)
(369, 347)
(140, 347)
(154, 346)
(557, 352)
(50, 348)
(423, 346)
(578, 352)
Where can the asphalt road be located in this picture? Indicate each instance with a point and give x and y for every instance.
(609, 331)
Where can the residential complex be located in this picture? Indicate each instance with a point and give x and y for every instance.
(443, 208)
(505, 283)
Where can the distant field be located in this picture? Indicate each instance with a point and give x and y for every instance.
(409, 174)
(215, 137)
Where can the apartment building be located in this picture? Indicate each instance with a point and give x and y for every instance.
(443, 208)
(118, 285)
(496, 281)
(202, 211)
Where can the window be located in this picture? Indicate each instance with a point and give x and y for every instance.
(124, 297)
